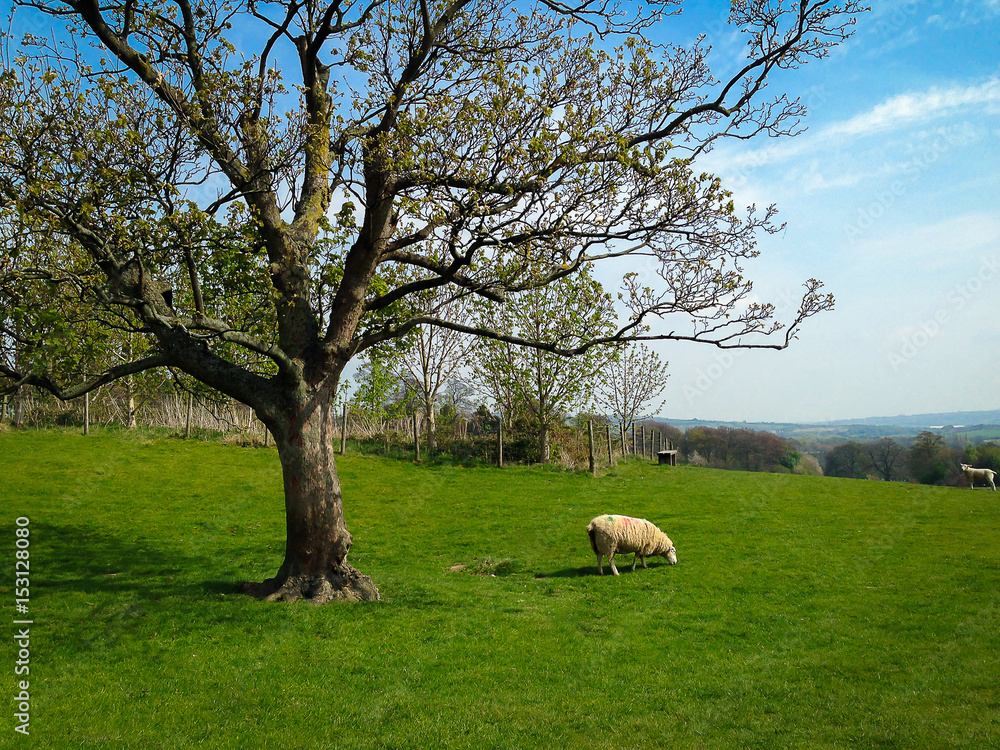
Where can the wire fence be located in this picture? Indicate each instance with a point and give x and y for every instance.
(477, 437)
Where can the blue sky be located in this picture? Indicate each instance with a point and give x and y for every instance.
(891, 198)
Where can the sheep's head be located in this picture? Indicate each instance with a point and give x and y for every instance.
(965, 467)
(671, 555)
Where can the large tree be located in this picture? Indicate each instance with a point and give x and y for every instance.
(261, 189)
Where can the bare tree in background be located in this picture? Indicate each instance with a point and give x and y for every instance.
(631, 384)
(435, 356)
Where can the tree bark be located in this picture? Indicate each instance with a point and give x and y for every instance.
(315, 566)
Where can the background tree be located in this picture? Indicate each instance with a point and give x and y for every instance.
(848, 460)
(458, 404)
(435, 356)
(670, 433)
(261, 233)
(736, 448)
(540, 384)
(931, 461)
(985, 456)
(381, 393)
(633, 379)
(887, 458)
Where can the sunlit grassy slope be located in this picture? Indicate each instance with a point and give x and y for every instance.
(805, 612)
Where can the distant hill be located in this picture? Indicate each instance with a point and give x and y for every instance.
(966, 425)
(955, 418)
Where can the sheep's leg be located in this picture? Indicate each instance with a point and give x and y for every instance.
(600, 568)
(611, 559)
(636, 559)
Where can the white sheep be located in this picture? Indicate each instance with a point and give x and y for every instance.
(982, 475)
(610, 535)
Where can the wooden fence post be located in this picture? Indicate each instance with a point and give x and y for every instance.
(187, 423)
(621, 431)
(590, 443)
(343, 433)
(500, 442)
(86, 413)
(3, 414)
(635, 433)
(643, 435)
(611, 460)
(416, 438)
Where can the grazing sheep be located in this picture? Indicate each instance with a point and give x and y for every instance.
(981, 475)
(612, 534)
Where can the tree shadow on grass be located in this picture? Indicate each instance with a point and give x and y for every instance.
(103, 595)
(76, 558)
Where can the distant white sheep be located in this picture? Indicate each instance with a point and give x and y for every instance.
(978, 475)
(610, 535)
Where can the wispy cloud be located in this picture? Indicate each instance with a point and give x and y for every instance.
(898, 113)
(965, 13)
(909, 109)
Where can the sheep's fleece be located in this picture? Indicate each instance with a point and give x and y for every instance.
(610, 535)
(979, 475)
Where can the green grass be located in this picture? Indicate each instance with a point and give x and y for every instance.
(805, 612)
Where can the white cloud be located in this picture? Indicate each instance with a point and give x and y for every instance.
(914, 108)
(900, 113)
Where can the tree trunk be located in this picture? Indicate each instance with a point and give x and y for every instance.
(431, 429)
(317, 540)
(130, 422)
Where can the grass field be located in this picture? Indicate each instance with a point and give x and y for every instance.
(805, 612)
